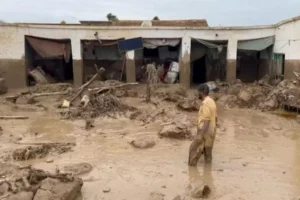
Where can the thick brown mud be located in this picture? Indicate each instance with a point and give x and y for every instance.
(256, 155)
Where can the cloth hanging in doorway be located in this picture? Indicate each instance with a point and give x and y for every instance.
(210, 44)
(50, 48)
(154, 43)
(256, 44)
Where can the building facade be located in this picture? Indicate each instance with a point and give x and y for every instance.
(248, 52)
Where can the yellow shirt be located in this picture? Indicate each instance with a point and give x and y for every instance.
(208, 111)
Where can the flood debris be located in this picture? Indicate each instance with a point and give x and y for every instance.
(89, 124)
(188, 105)
(176, 131)
(3, 86)
(40, 150)
(157, 196)
(14, 117)
(262, 96)
(143, 143)
(78, 168)
(27, 183)
(99, 105)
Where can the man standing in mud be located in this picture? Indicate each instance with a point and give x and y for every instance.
(206, 128)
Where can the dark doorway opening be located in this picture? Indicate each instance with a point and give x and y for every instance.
(199, 71)
(48, 60)
(105, 54)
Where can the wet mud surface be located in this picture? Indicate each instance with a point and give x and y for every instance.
(256, 155)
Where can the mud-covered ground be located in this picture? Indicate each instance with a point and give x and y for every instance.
(256, 154)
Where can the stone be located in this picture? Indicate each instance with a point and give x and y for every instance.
(54, 189)
(21, 196)
(276, 127)
(244, 96)
(106, 190)
(50, 160)
(25, 100)
(78, 168)
(156, 196)
(3, 86)
(143, 143)
(4, 187)
(188, 105)
(177, 131)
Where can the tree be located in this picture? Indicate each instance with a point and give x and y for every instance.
(155, 18)
(63, 22)
(111, 17)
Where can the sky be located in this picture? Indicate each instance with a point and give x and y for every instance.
(216, 12)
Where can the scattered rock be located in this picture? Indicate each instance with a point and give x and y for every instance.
(20, 196)
(3, 86)
(40, 151)
(4, 187)
(177, 131)
(26, 99)
(245, 164)
(156, 196)
(188, 105)
(106, 190)
(143, 143)
(164, 186)
(276, 127)
(54, 189)
(201, 192)
(50, 160)
(78, 169)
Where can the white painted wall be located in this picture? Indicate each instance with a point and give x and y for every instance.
(287, 40)
(12, 36)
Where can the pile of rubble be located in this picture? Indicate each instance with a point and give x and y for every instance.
(41, 150)
(260, 95)
(98, 105)
(27, 183)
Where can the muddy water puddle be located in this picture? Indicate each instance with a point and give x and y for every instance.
(52, 129)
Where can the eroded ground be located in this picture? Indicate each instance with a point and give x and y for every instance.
(256, 154)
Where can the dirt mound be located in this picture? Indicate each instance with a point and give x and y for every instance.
(188, 105)
(98, 84)
(40, 151)
(99, 105)
(33, 184)
(172, 93)
(78, 168)
(143, 143)
(56, 87)
(177, 131)
(147, 117)
(260, 95)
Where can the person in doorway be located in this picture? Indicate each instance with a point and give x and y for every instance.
(206, 128)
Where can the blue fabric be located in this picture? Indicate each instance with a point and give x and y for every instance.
(131, 44)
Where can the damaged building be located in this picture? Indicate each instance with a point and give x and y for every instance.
(48, 53)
